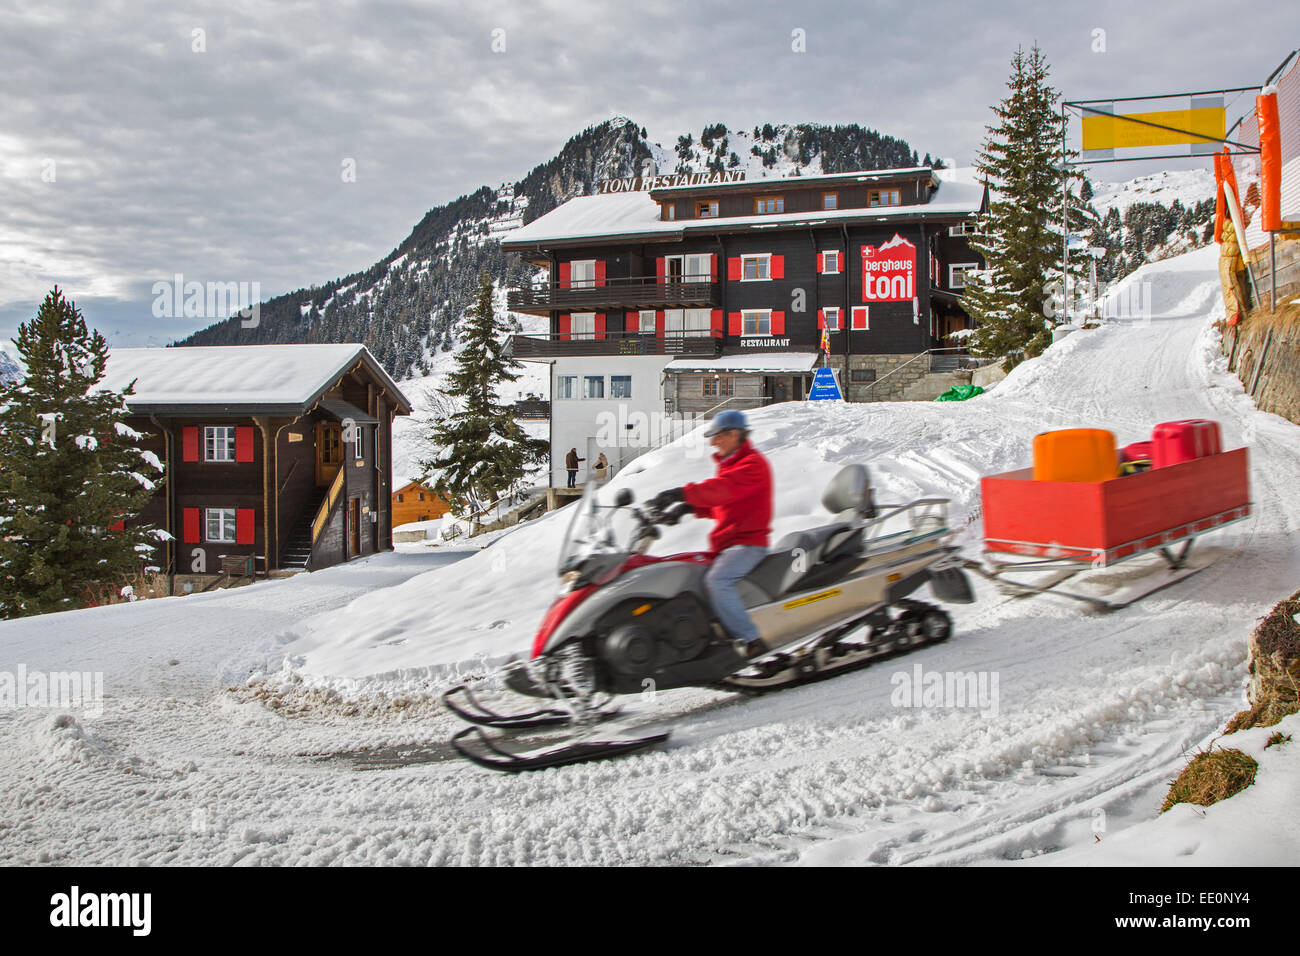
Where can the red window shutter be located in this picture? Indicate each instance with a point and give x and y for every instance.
(632, 322)
(713, 266)
(191, 522)
(190, 443)
(715, 322)
(659, 322)
(118, 525)
(600, 272)
(821, 318)
(735, 324)
(565, 325)
(600, 325)
(778, 267)
(860, 317)
(565, 269)
(659, 268)
(821, 262)
(778, 323)
(244, 518)
(244, 443)
(733, 268)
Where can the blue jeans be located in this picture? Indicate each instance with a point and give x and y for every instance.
(728, 567)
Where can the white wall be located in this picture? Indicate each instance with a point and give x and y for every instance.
(575, 422)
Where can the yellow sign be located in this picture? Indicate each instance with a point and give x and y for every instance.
(811, 598)
(1201, 125)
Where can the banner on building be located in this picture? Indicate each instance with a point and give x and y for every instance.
(889, 272)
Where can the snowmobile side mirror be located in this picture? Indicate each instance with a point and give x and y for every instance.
(624, 497)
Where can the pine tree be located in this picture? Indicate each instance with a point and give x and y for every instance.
(71, 469)
(1014, 298)
(484, 450)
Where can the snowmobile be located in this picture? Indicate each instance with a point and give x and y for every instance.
(824, 600)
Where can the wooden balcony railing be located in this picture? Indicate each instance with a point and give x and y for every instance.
(614, 343)
(637, 293)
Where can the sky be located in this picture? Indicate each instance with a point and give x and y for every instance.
(280, 145)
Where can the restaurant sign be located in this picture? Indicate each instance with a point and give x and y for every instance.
(637, 184)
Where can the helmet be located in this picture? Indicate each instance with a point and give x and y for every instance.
(731, 418)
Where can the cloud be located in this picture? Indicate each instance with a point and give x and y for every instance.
(219, 154)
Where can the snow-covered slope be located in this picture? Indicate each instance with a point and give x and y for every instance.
(1188, 186)
(1094, 713)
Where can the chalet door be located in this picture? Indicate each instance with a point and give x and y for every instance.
(673, 268)
(354, 527)
(329, 451)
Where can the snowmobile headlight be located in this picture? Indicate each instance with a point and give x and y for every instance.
(569, 580)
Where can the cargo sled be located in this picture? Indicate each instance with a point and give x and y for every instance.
(1081, 509)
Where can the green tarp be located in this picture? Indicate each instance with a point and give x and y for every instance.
(959, 393)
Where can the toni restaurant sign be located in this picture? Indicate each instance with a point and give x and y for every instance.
(642, 183)
(889, 273)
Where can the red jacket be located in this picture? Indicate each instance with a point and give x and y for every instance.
(738, 498)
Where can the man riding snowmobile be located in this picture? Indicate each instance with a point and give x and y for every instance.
(739, 499)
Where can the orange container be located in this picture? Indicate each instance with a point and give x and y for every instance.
(1075, 454)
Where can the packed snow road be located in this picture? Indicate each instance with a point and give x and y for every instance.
(337, 754)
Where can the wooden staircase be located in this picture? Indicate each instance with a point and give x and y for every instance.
(297, 546)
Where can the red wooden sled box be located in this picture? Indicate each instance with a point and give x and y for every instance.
(1106, 521)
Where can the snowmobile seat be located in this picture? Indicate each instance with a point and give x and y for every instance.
(794, 556)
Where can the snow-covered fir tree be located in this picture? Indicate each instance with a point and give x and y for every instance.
(484, 450)
(1020, 239)
(71, 471)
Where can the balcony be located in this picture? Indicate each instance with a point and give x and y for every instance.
(614, 295)
(613, 343)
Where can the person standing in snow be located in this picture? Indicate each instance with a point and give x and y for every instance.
(739, 499)
(571, 466)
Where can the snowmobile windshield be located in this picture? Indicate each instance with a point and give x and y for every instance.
(590, 532)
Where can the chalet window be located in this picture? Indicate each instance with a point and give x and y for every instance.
(566, 386)
(670, 210)
(766, 204)
(706, 210)
(862, 375)
(593, 386)
(755, 268)
(358, 444)
(620, 386)
(884, 197)
(719, 386)
(421, 495)
(957, 273)
(831, 262)
(646, 320)
(830, 201)
(219, 444)
(582, 325)
(832, 319)
(962, 229)
(219, 525)
(697, 268)
(582, 274)
(687, 322)
(757, 323)
(399, 498)
(331, 443)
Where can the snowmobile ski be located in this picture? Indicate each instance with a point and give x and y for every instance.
(495, 757)
(476, 713)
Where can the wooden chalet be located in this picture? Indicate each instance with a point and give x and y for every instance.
(277, 457)
(416, 502)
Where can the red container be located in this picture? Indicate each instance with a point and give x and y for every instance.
(1173, 443)
(1138, 451)
(1107, 521)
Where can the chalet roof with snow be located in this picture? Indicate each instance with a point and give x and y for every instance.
(241, 379)
(954, 195)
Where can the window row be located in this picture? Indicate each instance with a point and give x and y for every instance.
(768, 205)
(593, 386)
(755, 267)
(219, 525)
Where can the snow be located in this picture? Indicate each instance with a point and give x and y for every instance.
(1189, 186)
(301, 723)
(615, 214)
(229, 374)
